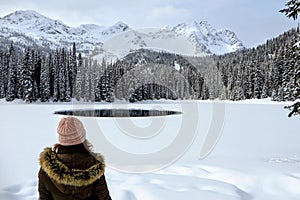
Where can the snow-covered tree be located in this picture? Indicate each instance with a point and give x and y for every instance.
(27, 81)
(56, 72)
(68, 77)
(237, 93)
(78, 90)
(12, 75)
(258, 82)
(45, 79)
(2, 76)
(292, 9)
(73, 68)
(36, 69)
(296, 54)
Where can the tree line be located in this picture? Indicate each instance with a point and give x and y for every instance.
(269, 70)
(31, 74)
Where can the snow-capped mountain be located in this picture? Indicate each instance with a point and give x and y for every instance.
(195, 38)
(154, 39)
(209, 39)
(46, 31)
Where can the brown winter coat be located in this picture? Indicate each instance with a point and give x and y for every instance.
(72, 173)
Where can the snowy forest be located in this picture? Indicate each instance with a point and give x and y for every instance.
(269, 70)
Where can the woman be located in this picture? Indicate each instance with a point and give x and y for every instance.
(70, 170)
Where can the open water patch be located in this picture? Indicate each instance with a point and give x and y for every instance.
(117, 112)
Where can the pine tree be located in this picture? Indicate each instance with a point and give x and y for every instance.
(205, 92)
(19, 81)
(292, 9)
(12, 75)
(86, 81)
(108, 85)
(264, 93)
(27, 77)
(56, 72)
(73, 68)
(36, 68)
(68, 77)
(2, 76)
(50, 64)
(237, 93)
(258, 82)
(275, 82)
(78, 90)
(267, 91)
(296, 54)
(45, 79)
(5, 72)
(99, 91)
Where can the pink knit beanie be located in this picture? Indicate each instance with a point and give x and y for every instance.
(70, 131)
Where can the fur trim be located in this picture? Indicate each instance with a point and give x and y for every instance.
(60, 173)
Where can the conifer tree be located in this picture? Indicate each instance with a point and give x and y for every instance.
(78, 90)
(36, 70)
(27, 76)
(56, 72)
(12, 75)
(68, 78)
(238, 93)
(296, 55)
(45, 79)
(258, 82)
(62, 75)
(19, 80)
(2, 76)
(73, 68)
(292, 9)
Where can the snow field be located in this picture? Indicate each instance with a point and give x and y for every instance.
(256, 157)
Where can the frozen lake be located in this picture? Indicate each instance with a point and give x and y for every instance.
(213, 150)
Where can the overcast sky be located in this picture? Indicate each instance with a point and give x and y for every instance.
(254, 21)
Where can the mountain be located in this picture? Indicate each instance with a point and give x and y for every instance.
(209, 39)
(20, 25)
(154, 39)
(191, 39)
(194, 39)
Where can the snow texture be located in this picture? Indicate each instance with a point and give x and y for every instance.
(257, 156)
(195, 38)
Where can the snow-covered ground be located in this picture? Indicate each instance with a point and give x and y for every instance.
(257, 154)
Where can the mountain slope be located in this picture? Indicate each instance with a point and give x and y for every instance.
(46, 31)
(154, 39)
(191, 39)
(194, 39)
(209, 39)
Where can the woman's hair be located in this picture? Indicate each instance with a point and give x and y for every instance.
(86, 144)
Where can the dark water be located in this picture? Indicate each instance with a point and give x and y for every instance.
(117, 113)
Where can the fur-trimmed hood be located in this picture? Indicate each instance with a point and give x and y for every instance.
(61, 173)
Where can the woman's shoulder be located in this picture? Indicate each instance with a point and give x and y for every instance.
(74, 156)
(58, 170)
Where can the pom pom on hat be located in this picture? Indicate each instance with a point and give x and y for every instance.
(70, 131)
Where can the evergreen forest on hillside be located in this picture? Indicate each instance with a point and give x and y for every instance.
(269, 70)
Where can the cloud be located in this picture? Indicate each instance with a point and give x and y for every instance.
(252, 20)
(168, 12)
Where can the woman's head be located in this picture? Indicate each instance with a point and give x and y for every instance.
(70, 131)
